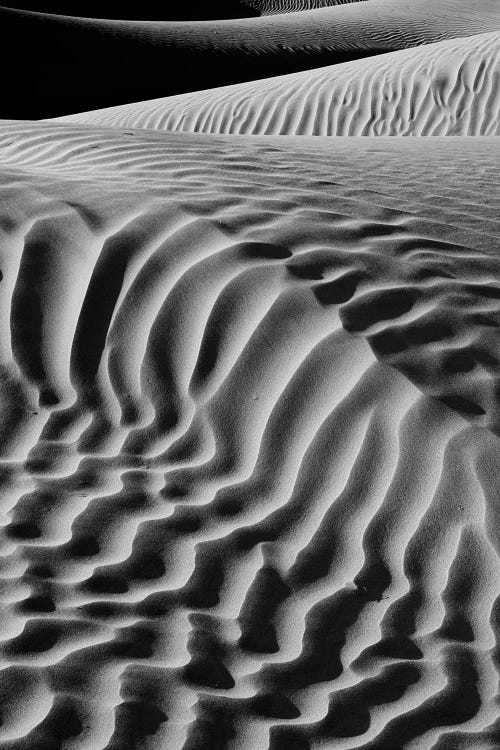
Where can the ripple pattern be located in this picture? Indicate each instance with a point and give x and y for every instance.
(249, 442)
(448, 88)
(272, 7)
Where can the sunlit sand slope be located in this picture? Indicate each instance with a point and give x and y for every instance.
(84, 64)
(271, 7)
(249, 441)
(153, 11)
(448, 88)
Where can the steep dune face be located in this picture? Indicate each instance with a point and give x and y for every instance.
(448, 88)
(251, 445)
(84, 64)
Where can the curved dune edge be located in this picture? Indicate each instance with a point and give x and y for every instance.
(250, 446)
(147, 10)
(448, 88)
(273, 7)
(137, 61)
(214, 10)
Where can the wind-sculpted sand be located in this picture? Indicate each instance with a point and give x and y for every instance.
(272, 7)
(82, 64)
(192, 11)
(448, 88)
(250, 441)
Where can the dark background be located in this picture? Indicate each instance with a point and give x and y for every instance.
(145, 10)
(55, 65)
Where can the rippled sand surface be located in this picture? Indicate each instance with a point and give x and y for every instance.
(249, 441)
(79, 64)
(446, 88)
(250, 375)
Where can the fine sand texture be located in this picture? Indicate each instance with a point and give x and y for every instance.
(78, 64)
(249, 441)
(446, 88)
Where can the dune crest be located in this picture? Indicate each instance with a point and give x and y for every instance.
(448, 88)
(134, 60)
(273, 7)
(250, 375)
(150, 10)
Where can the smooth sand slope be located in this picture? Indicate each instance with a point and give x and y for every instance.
(447, 88)
(82, 64)
(249, 441)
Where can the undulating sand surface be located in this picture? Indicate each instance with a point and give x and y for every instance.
(447, 88)
(250, 375)
(192, 11)
(250, 441)
(83, 64)
(272, 7)
(152, 10)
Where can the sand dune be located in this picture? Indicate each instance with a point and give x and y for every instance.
(250, 428)
(272, 7)
(250, 441)
(448, 88)
(150, 10)
(135, 61)
(147, 10)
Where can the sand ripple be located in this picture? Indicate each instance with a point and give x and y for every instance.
(109, 62)
(272, 7)
(448, 88)
(249, 442)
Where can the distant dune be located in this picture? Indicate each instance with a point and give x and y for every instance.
(447, 88)
(147, 10)
(154, 10)
(271, 7)
(250, 441)
(86, 64)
